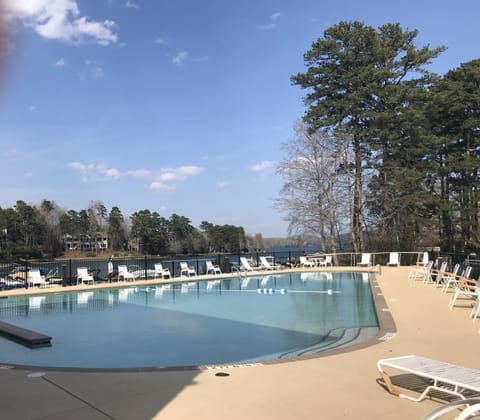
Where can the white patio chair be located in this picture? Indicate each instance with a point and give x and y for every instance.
(439, 274)
(327, 261)
(124, 274)
(422, 273)
(187, 270)
(159, 271)
(466, 288)
(305, 262)
(212, 268)
(366, 259)
(83, 276)
(422, 259)
(36, 279)
(449, 279)
(394, 259)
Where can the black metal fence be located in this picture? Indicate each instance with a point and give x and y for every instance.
(64, 272)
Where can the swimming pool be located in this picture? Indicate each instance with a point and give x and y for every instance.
(234, 320)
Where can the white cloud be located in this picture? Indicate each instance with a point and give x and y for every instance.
(60, 63)
(92, 171)
(91, 70)
(165, 179)
(273, 22)
(264, 166)
(131, 5)
(61, 20)
(10, 154)
(98, 73)
(160, 41)
(180, 58)
(200, 59)
(223, 184)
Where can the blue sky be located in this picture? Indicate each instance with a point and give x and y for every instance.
(176, 106)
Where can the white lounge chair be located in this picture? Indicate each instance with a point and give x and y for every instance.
(366, 259)
(265, 264)
(83, 276)
(445, 377)
(245, 265)
(187, 270)
(305, 262)
(159, 271)
(394, 259)
(124, 274)
(212, 268)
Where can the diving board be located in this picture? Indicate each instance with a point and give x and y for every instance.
(23, 336)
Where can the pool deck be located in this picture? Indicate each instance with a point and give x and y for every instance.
(334, 386)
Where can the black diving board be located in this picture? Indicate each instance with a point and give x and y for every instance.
(23, 336)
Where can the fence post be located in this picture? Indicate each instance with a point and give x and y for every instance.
(27, 267)
(145, 267)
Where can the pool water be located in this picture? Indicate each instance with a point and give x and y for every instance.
(199, 323)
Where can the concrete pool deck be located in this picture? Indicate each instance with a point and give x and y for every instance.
(332, 386)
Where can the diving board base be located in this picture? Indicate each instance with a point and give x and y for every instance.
(23, 336)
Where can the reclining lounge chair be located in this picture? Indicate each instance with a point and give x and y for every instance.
(441, 376)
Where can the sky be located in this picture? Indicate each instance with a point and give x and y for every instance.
(176, 106)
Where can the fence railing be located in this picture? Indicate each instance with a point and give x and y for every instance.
(15, 274)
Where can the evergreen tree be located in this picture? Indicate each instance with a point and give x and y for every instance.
(348, 71)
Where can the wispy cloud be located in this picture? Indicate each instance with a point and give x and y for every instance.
(164, 179)
(262, 167)
(180, 58)
(60, 63)
(160, 41)
(91, 70)
(61, 20)
(272, 24)
(131, 5)
(200, 59)
(10, 154)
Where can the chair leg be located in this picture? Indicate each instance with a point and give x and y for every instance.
(475, 310)
(452, 300)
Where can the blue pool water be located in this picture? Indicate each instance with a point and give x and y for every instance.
(205, 323)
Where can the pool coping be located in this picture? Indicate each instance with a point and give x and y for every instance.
(386, 324)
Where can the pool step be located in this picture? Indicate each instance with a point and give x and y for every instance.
(335, 338)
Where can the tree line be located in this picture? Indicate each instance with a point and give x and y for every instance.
(41, 231)
(386, 149)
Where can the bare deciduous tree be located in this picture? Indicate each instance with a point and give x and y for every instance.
(316, 195)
